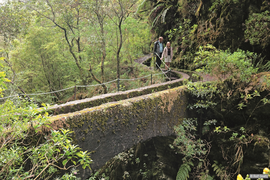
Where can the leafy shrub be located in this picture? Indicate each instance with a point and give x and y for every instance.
(28, 151)
(257, 29)
(224, 64)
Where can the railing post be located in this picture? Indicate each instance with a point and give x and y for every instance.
(75, 91)
(118, 84)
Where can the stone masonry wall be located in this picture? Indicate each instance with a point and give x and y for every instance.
(114, 127)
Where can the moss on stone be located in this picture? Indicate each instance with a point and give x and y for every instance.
(92, 102)
(143, 108)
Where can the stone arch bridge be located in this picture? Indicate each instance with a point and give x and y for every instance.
(107, 126)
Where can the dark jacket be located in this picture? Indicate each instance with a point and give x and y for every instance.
(157, 48)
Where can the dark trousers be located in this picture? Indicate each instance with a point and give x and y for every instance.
(158, 61)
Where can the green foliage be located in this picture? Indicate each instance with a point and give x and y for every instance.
(187, 142)
(226, 24)
(184, 170)
(3, 79)
(182, 31)
(220, 171)
(165, 7)
(14, 19)
(194, 149)
(137, 35)
(235, 73)
(224, 64)
(46, 68)
(170, 13)
(182, 37)
(25, 149)
(216, 3)
(235, 87)
(257, 26)
(206, 176)
(58, 47)
(203, 96)
(126, 165)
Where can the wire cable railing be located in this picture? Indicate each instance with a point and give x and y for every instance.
(165, 73)
(92, 85)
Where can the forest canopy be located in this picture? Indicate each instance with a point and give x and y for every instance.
(52, 45)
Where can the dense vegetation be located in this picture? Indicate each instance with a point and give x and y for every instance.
(226, 24)
(30, 148)
(55, 44)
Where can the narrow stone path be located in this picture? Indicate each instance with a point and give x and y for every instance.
(144, 58)
(206, 77)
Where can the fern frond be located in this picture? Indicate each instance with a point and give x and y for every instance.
(183, 172)
(158, 16)
(219, 170)
(164, 14)
(267, 66)
(155, 20)
(140, 6)
(155, 8)
(206, 176)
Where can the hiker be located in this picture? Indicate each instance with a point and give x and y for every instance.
(168, 55)
(158, 49)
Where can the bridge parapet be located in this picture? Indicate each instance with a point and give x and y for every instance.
(78, 105)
